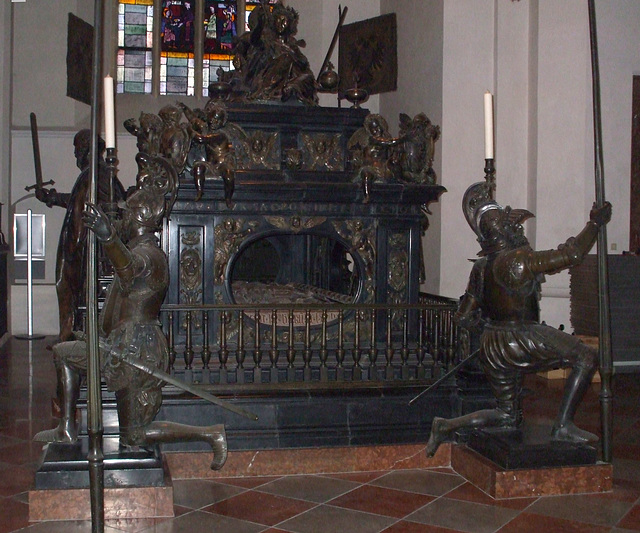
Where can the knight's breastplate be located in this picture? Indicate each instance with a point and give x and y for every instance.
(136, 302)
(506, 298)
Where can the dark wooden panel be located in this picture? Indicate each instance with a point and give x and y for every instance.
(624, 293)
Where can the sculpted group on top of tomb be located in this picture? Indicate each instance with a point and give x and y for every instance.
(270, 68)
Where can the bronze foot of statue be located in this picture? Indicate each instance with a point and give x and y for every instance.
(217, 439)
(569, 432)
(65, 433)
(439, 433)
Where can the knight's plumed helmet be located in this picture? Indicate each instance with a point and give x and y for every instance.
(153, 198)
(147, 207)
(478, 204)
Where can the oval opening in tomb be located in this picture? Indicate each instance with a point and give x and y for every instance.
(294, 269)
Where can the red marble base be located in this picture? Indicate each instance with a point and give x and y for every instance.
(281, 462)
(126, 502)
(522, 483)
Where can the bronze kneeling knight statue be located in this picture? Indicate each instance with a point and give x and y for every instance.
(501, 302)
(130, 327)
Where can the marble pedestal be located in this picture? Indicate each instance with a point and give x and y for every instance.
(529, 447)
(137, 483)
(504, 483)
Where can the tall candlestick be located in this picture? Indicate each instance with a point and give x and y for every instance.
(109, 113)
(488, 125)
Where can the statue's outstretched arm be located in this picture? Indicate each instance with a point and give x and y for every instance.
(119, 255)
(572, 252)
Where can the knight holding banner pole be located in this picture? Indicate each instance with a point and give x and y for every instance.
(133, 349)
(501, 304)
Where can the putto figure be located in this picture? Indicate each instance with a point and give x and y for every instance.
(130, 328)
(501, 301)
(220, 160)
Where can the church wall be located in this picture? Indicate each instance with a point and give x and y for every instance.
(564, 147)
(468, 71)
(534, 56)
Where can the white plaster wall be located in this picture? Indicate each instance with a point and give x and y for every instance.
(564, 146)
(467, 72)
(39, 71)
(619, 62)
(5, 101)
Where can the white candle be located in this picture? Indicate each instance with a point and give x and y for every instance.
(488, 125)
(109, 114)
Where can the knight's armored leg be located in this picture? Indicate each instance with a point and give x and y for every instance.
(215, 436)
(68, 392)
(575, 387)
(442, 429)
(507, 390)
(137, 428)
(67, 294)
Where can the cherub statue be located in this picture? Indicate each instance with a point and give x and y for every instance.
(371, 154)
(501, 302)
(148, 132)
(175, 140)
(322, 151)
(417, 148)
(220, 160)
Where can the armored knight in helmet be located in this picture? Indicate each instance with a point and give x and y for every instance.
(129, 322)
(501, 301)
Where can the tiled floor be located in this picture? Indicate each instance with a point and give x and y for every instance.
(397, 501)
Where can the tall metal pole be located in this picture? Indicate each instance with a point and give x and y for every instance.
(29, 273)
(606, 364)
(94, 399)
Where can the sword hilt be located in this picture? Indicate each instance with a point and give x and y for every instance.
(39, 185)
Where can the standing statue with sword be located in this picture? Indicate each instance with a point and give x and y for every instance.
(501, 301)
(134, 351)
(70, 258)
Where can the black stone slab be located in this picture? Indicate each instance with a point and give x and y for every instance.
(65, 466)
(529, 447)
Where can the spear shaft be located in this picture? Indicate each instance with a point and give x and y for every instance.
(94, 397)
(604, 348)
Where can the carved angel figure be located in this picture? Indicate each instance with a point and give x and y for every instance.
(220, 160)
(322, 151)
(371, 154)
(417, 148)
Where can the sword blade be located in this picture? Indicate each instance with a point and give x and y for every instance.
(36, 150)
(186, 387)
(447, 375)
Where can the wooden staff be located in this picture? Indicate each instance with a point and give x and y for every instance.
(94, 398)
(604, 349)
(342, 13)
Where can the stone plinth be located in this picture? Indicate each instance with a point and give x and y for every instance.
(501, 483)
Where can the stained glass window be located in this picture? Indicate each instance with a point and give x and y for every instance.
(176, 41)
(221, 25)
(177, 33)
(135, 43)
